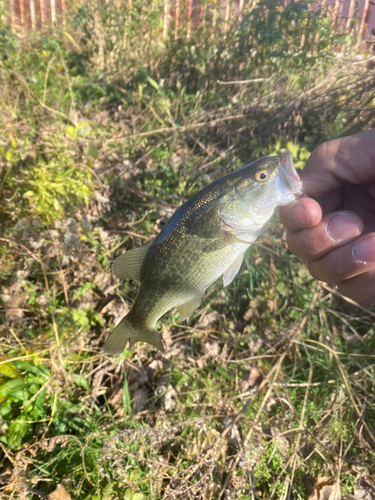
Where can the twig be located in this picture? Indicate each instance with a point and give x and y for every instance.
(347, 299)
(10, 242)
(243, 82)
(186, 127)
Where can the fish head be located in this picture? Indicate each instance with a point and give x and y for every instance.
(256, 192)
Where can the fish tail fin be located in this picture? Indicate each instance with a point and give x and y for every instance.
(126, 332)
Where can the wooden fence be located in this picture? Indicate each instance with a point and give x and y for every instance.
(357, 16)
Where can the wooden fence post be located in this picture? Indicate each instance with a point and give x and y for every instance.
(227, 13)
(177, 18)
(363, 19)
(11, 14)
(336, 12)
(53, 11)
(240, 9)
(165, 19)
(42, 14)
(350, 15)
(22, 14)
(189, 17)
(63, 7)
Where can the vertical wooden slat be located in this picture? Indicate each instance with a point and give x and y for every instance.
(368, 19)
(47, 12)
(42, 14)
(227, 12)
(22, 14)
(364, 18)
(53, 11)
(11, 13)
(32, 14)
(177, 17)
(17, 14)
(166, 19)
(37, 14)
(63, 8)
(350, 15)
(58, 9)
(240, 9)
(337, 12)
(189, 17)
(27, 14)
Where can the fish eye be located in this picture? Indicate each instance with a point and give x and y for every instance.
(262, 175)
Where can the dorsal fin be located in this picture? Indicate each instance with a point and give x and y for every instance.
(129, 264)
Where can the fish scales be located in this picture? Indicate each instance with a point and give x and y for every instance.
(205, 238)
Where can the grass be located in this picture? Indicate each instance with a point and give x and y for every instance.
(104, 134)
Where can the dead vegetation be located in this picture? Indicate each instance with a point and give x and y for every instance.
(268, 391)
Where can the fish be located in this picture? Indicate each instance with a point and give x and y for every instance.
(205, 238)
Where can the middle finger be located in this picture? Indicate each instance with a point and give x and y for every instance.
(334, 230)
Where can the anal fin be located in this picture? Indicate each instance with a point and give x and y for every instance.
(188, 307)
(232, 270)
(129, 264)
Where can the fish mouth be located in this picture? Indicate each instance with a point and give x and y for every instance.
(289, 182)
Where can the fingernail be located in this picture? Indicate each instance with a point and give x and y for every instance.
(342, 226)
(300, 216)
(364, 250)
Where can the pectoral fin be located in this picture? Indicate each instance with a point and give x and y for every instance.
(129, 264)
(188, 307)
(232, 270)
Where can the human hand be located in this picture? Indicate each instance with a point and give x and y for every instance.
(333, 228)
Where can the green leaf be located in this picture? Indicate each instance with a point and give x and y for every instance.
(81, 381)
(153, 83)
(17, 431)
(38, 405)
(83, 129)
(11, 387)
(224, 373)
(93, 151)
(71, 131)
(129, 494)
(280, 287)
(9, 370)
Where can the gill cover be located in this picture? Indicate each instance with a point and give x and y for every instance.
(265, 184)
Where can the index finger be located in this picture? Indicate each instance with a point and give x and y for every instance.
(301, 214)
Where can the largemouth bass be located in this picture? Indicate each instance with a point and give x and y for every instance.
(204, 239)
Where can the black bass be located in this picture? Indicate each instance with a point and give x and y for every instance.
(204, 239)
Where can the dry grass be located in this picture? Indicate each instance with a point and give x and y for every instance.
(271, 382)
